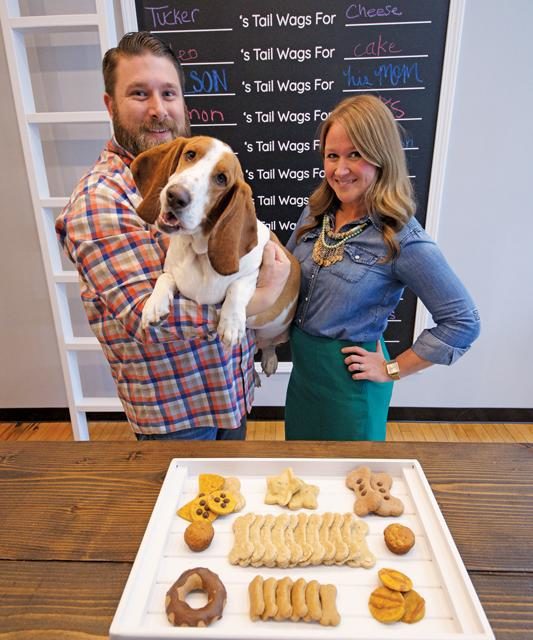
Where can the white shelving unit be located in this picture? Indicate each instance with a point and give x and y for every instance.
(16, 26)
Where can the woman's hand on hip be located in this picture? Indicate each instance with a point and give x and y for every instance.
(366, 365)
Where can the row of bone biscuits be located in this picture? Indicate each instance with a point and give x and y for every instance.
(287, 600)
(300, 540)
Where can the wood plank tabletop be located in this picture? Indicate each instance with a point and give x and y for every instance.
(72, 516)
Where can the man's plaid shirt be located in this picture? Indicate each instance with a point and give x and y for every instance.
(170, 377)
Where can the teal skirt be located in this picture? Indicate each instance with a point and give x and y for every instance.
(324, 402)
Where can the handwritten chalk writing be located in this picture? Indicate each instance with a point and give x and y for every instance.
(162, 17)
(359, 10)
(208, 81)
(395, 106)
(396, 74)
(353, 80)
(187, 55)
(378, 47)
(207, 116)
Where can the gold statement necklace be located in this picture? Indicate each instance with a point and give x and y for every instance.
(325, 254)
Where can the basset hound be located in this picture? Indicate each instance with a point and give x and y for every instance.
(193, 189)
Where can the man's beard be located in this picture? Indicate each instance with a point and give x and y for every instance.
(138, 140)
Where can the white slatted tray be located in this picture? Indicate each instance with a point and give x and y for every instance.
(453, 610)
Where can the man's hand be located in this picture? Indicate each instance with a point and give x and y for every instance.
(272, 277)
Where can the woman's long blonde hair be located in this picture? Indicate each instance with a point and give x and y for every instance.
(372, 129)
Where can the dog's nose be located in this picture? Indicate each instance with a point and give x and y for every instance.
(178, 197)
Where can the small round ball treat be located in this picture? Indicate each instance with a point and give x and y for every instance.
(198, 535)
(399, 539)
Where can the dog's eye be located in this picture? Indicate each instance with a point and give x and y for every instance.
(221, 179)
(190, 155)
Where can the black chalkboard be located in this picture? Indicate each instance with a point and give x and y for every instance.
(262, 76)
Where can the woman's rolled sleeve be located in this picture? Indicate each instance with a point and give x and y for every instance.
(423, 268)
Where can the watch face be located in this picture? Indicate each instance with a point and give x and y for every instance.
(393, 369)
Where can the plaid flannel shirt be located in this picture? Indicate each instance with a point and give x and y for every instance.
(171, 377)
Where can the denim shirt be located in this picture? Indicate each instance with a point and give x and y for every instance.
(353, 299)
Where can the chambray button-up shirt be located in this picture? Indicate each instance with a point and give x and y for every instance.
(353, 299)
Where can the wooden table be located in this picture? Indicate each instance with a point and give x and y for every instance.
(72, 516)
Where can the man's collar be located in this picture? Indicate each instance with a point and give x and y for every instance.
(115, 147)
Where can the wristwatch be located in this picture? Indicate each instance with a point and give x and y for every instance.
(393, 369)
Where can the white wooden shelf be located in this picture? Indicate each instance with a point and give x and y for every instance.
(49, 23)
(14, 27)
(88, 343)
(99, 404)
(66, 117)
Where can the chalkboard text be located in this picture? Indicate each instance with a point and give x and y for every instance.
(269, 20)
(359, 10)
(163, 17)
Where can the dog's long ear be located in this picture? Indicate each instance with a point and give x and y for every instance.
(151, 170)
(235, 232)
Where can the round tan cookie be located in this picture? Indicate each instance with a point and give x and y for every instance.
(386, 605)
(221, 502)
(198, 535)
(399, 539)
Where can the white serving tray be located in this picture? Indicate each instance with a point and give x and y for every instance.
(453, 610)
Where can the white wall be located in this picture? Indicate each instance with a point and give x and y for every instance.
(485, 231)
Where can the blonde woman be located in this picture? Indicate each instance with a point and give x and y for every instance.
(359, 246)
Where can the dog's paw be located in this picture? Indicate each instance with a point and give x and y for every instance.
(269, 360)
(231, 329)
(155, 310)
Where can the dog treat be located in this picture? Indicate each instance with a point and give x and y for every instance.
(396, 597)
(255, 539)
(257, 600)
(415, 607)
(305, 497)
(180, 614)
(269, 556)
(361, 556)
(386, 605)
(325, 538)
(200, 509)
(299, 605)
(233, 485)
(274, 541)
(300, 537)
(330, 616)
(295, 549)
(398, 538)
(242, 547)
(269, 594)
(287, 600)
(209, 482)
(372, 493)
(395, 580)
(391, 506)
(312, 599)
(283, 553)
(283, 599)
(313, 537)
(281, 488)
(198, 535)
(221, 502)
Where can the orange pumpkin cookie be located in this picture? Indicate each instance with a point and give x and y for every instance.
(221, 502)
(395, 580)
(415, 607)
(386, 605)
(399, 539)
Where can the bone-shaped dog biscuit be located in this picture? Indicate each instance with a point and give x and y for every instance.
(294, 548)
(269, 556)
(390, 506)
(255, 540)
(328, 595)
(299, 605)
(283, 553)
(242, 547)
(325, 539)
(257, 600)
(283, 599)
(269, 595)
(300, 537)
